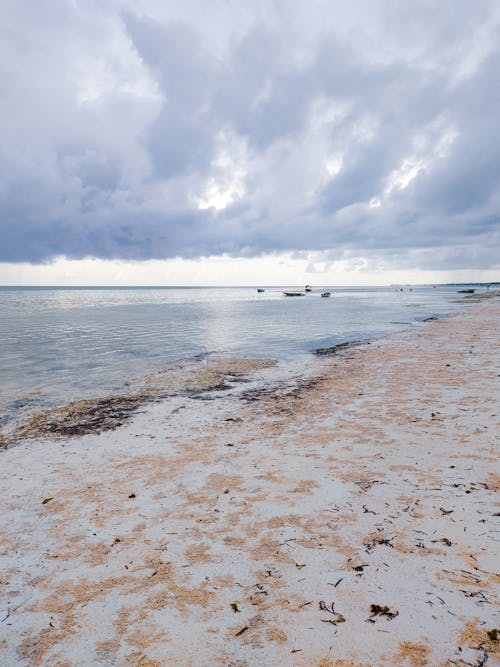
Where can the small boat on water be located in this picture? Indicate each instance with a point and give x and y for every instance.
(294, 293)
(325, 295)
(308, 288)
(466, 291)
(260, 289)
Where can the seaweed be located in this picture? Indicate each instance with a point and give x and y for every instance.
(379, 541)
(379, 610)
(339, 618)
(330, 351)
(95, 415)
(445, 512)
(444, 540)
(360, 568)
(82, 417)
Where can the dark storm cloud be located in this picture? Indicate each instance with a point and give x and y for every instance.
(138, 131)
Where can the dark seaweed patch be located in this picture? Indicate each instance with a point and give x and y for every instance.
(329, 351)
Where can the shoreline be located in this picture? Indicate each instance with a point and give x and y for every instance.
(319, 523)
(24, 395)
(108, 410)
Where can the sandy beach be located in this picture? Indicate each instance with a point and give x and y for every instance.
(346, 518)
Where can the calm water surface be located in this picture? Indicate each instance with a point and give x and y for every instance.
(57, 344)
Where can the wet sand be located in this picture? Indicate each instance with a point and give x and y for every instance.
(347, 519)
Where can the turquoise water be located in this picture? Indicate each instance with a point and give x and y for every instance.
(57, 344)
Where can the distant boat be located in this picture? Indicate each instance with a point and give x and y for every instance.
(309, 288)
(466, 291)
(326, 294)
(260, 289)
(294, 293)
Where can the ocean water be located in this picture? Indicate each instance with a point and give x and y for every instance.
(58, 344)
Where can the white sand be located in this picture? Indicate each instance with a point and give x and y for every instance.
(373, 485)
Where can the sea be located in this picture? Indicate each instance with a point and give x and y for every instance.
(58, 344)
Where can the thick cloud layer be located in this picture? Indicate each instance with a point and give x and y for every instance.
(147, 129)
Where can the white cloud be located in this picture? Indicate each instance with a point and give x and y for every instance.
(149, 131)
(226, 183)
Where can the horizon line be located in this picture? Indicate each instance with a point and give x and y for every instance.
(256, 285)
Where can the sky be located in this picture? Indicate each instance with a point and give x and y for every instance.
(249, 142)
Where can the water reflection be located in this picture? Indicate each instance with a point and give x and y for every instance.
(70, 342)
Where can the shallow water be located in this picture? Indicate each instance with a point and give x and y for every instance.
(57, 344)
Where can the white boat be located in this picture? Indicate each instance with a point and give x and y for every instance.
(326, 294)
(294, 293)
(308, 288)
(260, 289)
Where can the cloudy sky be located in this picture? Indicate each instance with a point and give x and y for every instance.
(249, 141)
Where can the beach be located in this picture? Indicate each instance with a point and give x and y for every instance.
(345, 518)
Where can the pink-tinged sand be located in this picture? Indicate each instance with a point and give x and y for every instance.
(260, 533)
